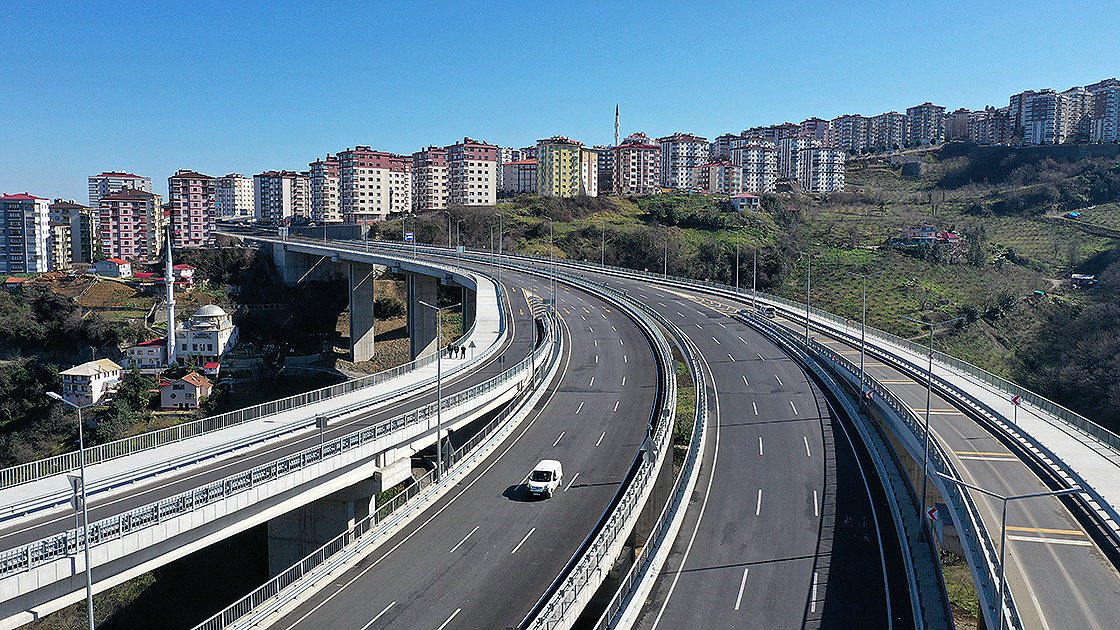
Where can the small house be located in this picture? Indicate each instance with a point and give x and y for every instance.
(185, 393)
(114, 267)
(87, 383)
(746, 202)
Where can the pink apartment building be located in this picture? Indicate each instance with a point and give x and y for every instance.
(429, 179)
(130, 225)
(192, 201)
(472, 173)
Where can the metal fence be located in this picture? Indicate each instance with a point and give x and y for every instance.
(297, 579)
(29, 556)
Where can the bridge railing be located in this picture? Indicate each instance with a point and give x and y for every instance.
(297, 579)
(32, 555)
(66, 462)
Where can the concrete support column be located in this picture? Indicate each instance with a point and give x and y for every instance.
(293, 266)
(294, 535)
(469, 302)
(361, 311)
(421, 319)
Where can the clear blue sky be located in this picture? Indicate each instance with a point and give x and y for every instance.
(224, 87)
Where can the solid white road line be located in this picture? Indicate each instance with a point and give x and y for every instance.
(680, 313)
(730, 357)
(743, 340)
(760, 356)
(572, 482)
(523, 540)
(742, 585)
(1056, 541)
(444, 624)
(808, 453)
(592, 382)
(371, 621)
(717, 341)
(758, 506)
(465, 539)
(579, 407)
(558, 439)
(699, 326)
(599, 441)
(813, 603)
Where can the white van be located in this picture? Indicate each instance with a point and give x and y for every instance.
(545, 478)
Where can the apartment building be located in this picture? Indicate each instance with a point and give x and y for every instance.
(429, 179)
(1106, 114)
(520, 177)
(130, 225)
(957, 124)
(59, 244)
(233, 196)
(814, 129)
(850, 132)
(721, 146)
(721, 178)
(888, 130)
(505, 156)
(472, 173)
(323, 180)
(680, 153)
(192, 199)
(372, 184)
(25, 243)
(113, 181)
(605, 167)
(773, 133)
(925, 124)
(1074, 115)
(1039, 116)
(990, 126)
(759, 159)
(789, 156)
(565, 168)
(84, 244)
(636, 166)
(821, 170)
(88, 383)
(280, 196)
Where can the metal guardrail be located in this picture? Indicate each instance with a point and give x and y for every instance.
(34, 554)
(66, 462)
(975, 539)
(297, 579)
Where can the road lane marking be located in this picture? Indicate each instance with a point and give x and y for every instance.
(742, 585)
(590, 329)
(604, 317)
(779, 380)
(613, 328)
(745, 380)
(816, 505)
(813, 603)
(558, 439)
(616, 404)
(579, 407)
(807, 451)
(465, 539)
(755, 405)
(444, 624)
(620, 341)
(624, 379)
(721, 325)
(699, 326)
(583, 318)
(592, 382)
(717, 341)
(758, 505)
(586, 311)
(760, 446)
(662, 305)
(730, 357)
(596, 359)
(599, 441)
(371, 621)
(1055, 541)
(596, 342)
(1042, 530)
(792, 407)
(760, 356)
(520, 543)
(624, 359)
(570, 483)
(680, 313)
(743, 340)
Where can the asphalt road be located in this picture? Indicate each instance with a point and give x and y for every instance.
(482, 556)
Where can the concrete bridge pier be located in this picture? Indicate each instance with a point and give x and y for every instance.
(362, 319)
(421, 319)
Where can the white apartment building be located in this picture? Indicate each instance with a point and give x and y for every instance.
(372, 184)
(1074, 115)
(87, 383)
(759, 159)
(233, 196)
(472, 173)
(323, 179)
(850, 132)
(925, 124)
(429, 179)
(280, 196)
(721, 178)
(110, 182)
(1106, 115)
(821, 170)
(25, 243)
(636, 166)
(888, 131)
(1039, 117)
(520, 176)
(680, 153)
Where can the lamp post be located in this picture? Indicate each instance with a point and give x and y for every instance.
(439, 384)
(85, 507)
(1003, 526)
(929, 392)
(665, 271)
(738, 233)
(808, 287)
(603, 246)
(448, 213)
(458, 243)
(863, 326)
(551, 262)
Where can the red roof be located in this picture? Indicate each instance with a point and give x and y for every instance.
(744, 196)
(23, 197)
(153, 342)
(143, 275)
(116, 174)
(183, 266)
(117, 261)
(523, 162)
(212, 366)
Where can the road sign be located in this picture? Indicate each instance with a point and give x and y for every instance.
(408, 236)
(867, 395)
(1018, 400)
(932, 513)
(75, 483)
(76, 502)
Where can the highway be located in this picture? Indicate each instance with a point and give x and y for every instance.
(483, 555)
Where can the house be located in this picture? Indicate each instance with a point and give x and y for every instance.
(211, 369)
(918, 234)
(185, 393)
(743, 202)
(14, 284)
(183, 274)
(87, 383)
(114, 267)
(149, 356)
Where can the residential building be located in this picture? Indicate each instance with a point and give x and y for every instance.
(957, 125)
(636, 166)
(721, 146)
(429, 179)
(88, 383)
(1074, 115)
(773, 133)
(888, 131)
(822, 170)
(112, 181)
(789, 156)
(565, 168)
(280, 196)
(130, 225)
(149, 356)
(681, 152)
(505, 156)
(520, 176)
(186, 392)
(60, 245)
(990, 126)
(323, 179)
(814, 129)
(1039, 117)
(746, 202)
(192, 198)
(850, 132)
(759, 159)
(1106, 114)
(206, 336)
(472, 178)
(605, 167)
(722, 178)
(24, 234)
(233, 196)
(925, 124)
(372, 184)
(113, 268)
(84, 244)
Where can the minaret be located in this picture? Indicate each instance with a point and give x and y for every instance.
(616, 124)
(169, 281)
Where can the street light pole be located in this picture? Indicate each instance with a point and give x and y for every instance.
(85, 507)
(737, 235)
(458, 242)
(448, 213)
(603, 246)
(439, 384)
(1003, 526)
(551, 262)
(863, 326)
(929, 394)
(665, 272)
(808, 288)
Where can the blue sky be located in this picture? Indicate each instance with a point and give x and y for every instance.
(247, 87)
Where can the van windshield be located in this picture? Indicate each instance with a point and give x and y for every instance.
(540, 475)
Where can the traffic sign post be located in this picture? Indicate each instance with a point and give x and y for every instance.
(1015, 402)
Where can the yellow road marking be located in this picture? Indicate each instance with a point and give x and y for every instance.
(981, 453)
(1042, 530)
